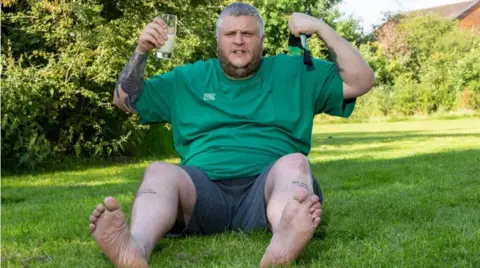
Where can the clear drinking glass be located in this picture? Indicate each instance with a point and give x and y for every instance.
(166, 51)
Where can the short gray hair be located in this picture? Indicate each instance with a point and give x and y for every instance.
(240, 9)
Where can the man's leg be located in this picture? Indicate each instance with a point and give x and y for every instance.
(293, 211)
(166, 194)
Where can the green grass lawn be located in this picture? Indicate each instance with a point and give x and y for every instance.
(403, 194)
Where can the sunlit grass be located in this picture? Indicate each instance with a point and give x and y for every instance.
(402, 194)
(392, 140)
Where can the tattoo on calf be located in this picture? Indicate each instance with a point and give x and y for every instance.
(301, 184)
(144, 192)
(131, 79)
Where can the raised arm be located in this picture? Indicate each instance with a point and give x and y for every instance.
(131, 80)
(358, 78)
(130, 83)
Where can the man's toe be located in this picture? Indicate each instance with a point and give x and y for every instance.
(315, 206)
(100, 207)
(111, 203)
(96, 213)
(317, 213)
(301, 195)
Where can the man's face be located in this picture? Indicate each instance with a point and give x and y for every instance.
(239, 46)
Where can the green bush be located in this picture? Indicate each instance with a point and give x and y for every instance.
(406, 96)
(61, 60)
(429, 64)
(45, 114)
(471, 96)
(153, 141)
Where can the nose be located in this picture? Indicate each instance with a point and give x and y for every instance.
(238, 39)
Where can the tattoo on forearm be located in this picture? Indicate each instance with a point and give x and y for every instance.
(131, 79)
(144, 192)
(301, 184)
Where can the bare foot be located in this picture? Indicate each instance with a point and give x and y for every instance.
(109, 229)
(300, 218)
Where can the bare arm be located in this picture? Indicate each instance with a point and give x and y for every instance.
(358, 78)
(130, 83)
(131, 80)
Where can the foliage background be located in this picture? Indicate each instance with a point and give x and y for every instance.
(61, 59)
(424, 65)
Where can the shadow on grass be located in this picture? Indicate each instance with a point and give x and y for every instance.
(71, 164)
(433, 182)
(322, 151)
(70, 181)
(347, 185)
(7, 200)
(349, 138)
(339, 138)
(368, 196)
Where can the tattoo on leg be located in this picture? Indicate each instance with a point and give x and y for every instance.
(145, 191)
(301, 184)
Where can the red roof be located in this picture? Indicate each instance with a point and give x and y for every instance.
(450, 11)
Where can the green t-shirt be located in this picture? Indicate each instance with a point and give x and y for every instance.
(235, 128)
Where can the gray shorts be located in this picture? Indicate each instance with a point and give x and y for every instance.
(237, 204)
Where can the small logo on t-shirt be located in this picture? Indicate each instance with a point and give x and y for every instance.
(209, 96)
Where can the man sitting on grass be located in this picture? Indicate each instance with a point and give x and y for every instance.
(242, 126)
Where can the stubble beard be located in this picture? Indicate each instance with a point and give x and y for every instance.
(240, 72)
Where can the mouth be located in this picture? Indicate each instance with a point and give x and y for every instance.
(239, 51)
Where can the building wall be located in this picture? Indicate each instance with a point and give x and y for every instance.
(471, 20)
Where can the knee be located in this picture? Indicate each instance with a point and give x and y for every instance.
(160, 171)
(296, 162)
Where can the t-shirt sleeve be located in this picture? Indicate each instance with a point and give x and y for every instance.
(328, 90)
(155, 103)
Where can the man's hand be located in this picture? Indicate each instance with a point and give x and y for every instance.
(300, 23)
(153, 36)
(357, 76)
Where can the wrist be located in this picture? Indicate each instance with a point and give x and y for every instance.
(140, 51)
(320, 26)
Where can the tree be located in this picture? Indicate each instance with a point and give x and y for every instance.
(61, 60)
(424, 64)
